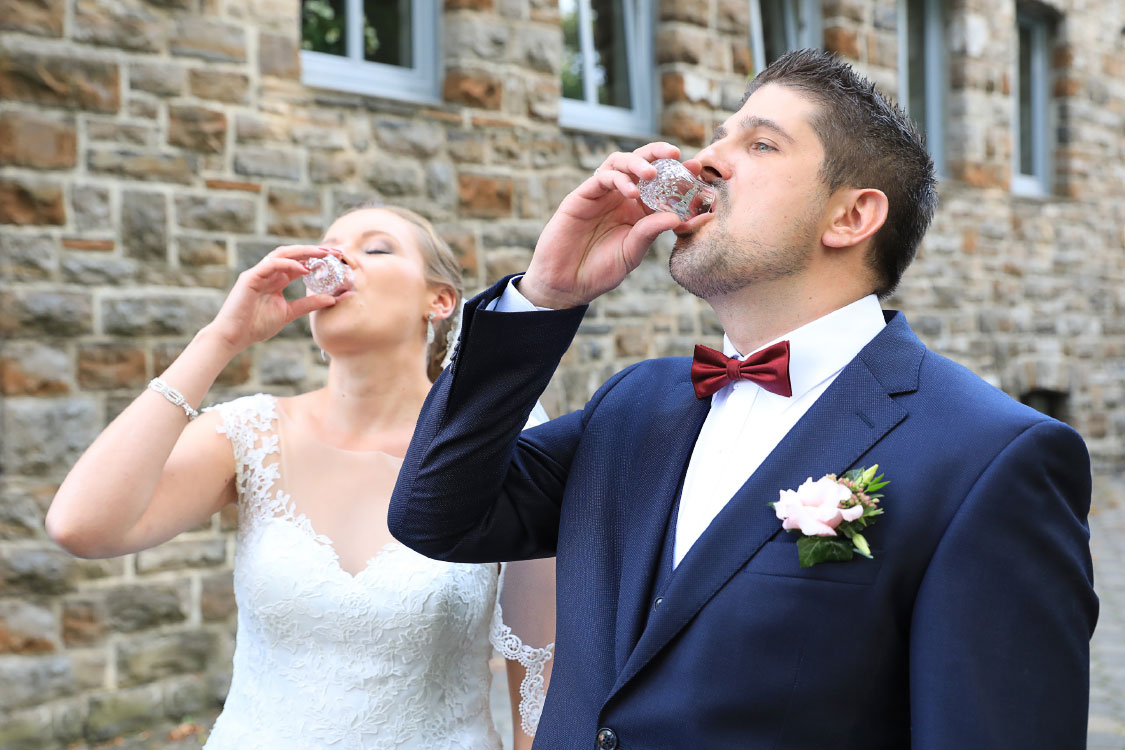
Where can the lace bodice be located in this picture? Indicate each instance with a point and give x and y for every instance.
(394, 656)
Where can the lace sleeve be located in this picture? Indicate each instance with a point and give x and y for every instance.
(527, 593)
(247, 423)
(523, 630)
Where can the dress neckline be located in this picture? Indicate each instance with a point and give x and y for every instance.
(284, 416)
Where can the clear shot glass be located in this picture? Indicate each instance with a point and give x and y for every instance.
(326, 275)
(676, 190)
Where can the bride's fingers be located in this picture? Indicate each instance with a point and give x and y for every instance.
(299, 252)
(275, 273)
(293, 269)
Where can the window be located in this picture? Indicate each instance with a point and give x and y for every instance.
(379, 47)
(1031, 99)
(607, 81)
(1051, 403)
(922, 70)
(778, 26)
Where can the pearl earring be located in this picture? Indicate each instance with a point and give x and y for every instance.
(430, 329)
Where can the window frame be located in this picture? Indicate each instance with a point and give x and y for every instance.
(1038, 183)
(353, 74)
(590, 116)
(1055, 404)
(795, 37)
(935, 73)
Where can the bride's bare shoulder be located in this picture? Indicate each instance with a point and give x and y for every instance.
(300, 406)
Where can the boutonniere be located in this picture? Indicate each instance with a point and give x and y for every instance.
(830, 513)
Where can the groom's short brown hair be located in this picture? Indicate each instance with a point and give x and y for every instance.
(869, 142)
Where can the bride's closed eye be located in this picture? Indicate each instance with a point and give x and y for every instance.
(377, 250)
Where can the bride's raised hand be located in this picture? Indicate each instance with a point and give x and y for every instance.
(256, 308)
(599, 233)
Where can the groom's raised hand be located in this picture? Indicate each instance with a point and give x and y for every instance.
(599, 233)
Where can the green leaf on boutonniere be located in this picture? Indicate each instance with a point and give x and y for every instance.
(818, 549)
(847, 505)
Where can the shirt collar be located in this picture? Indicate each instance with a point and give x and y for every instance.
(821, 348)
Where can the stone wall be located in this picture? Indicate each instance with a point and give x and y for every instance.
(151, 149)
(1028, 292)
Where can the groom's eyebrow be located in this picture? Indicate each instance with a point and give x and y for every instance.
(751, 122)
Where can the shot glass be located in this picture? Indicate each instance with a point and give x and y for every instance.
(326, 275)
(676, 190)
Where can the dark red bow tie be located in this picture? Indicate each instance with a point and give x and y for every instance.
(769, 368)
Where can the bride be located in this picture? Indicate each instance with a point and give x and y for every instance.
(346, 639)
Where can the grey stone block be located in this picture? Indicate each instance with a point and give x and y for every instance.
(144, 225)
(46, 436)
(152, 657)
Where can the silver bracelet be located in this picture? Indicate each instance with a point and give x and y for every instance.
(174, 396)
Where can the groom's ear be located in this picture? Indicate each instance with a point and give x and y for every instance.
(444, 300)
(854, 215)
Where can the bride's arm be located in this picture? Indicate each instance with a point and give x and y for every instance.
(516, 673)
(520, 741)
(151, 474)
(524, 633)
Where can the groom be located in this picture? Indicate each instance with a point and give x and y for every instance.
(685, 619)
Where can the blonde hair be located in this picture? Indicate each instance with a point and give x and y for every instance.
(441, 267)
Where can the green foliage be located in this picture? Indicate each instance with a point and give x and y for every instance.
(322, 28)
(370, 40)
(572, 58)
(849, 541)
(818, 549)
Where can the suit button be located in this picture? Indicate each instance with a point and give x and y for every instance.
(656, 604)
(606, 740)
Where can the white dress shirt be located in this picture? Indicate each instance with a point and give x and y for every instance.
(746, 422)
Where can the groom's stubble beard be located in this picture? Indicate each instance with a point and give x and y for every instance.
(721, 262)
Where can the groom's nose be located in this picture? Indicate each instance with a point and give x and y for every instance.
(715, 165)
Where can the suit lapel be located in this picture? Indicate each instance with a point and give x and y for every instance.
(849, 418)
(673, 425)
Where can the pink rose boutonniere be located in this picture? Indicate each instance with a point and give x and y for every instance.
(830, 513)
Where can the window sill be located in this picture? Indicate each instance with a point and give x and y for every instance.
(604, 120)
(335, 73)
(1026, 186)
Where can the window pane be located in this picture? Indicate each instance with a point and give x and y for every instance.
(1051, 403)
(387, 32)
(572, 50)
(803, 25)
(611, 63)
(1026, 126)
(916, 63)
(323, 26)
(774, 32)
(1026, 110)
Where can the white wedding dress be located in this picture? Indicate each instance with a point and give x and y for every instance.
(395, 656)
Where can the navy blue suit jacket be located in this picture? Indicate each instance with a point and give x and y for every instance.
(970, 628)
